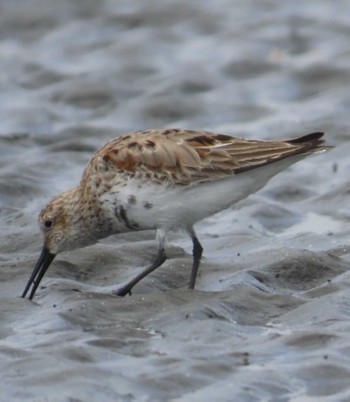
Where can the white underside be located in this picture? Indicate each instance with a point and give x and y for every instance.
(181, 207)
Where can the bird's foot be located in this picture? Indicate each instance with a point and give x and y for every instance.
(122, 291)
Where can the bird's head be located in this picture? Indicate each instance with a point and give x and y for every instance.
(63, 227)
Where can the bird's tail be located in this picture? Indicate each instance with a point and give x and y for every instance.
(310, 143)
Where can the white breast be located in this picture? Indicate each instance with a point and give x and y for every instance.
(153, 206)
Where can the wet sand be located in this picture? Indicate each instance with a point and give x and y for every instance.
(269, 319)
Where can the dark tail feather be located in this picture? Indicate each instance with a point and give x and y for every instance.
(313, 138)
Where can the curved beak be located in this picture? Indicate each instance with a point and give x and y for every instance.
(41, 267)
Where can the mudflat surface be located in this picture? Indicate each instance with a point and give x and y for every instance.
(269, 320)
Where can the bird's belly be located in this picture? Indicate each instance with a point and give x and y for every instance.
(138, 206)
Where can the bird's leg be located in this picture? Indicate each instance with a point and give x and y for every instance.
(161, 257)
(197, 254)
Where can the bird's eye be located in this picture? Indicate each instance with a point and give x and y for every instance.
(48, 223)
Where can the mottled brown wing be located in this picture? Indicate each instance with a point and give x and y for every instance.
(182, 157)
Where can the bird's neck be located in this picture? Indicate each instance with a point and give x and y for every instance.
(90, 213)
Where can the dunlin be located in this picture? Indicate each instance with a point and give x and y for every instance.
(162, 180)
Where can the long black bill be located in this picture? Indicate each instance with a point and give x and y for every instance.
(41, 267)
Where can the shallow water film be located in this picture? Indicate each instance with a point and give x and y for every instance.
(269, 318)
